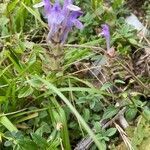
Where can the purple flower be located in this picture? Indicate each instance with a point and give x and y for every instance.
(106, 33)
(61, 19)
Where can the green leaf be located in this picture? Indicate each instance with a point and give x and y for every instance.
(45, 128)
(7, 123)
(106, 86)
(26, 145)
(110, 132)
(86, 114)
(130, 113)
(119, 81)
(146, 113)
(97, 127)
(35, 83)
(25, 91)
(110, 112)
(8, 143)
(39, 140)
(12, 5)
(30, 116)
(133, 41)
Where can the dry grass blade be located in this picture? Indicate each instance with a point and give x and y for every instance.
(124, 137)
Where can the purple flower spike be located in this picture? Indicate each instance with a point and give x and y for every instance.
(61, 19)
(106, 33)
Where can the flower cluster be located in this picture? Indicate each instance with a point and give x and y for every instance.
(61, 19)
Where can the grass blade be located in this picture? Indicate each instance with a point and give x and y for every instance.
(7, 123)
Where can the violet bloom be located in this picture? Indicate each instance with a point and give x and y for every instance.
(106, 33)
(61, 19)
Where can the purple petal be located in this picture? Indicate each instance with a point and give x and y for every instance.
(65, 9)
(78, 24)
(53, 30)
(72, 20)
(76, 14)
(47, 7)
(72, 7)
(55, 16)
(65, 35)
(66, 3)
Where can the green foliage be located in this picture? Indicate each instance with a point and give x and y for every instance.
(104, 135)
(47, 109)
